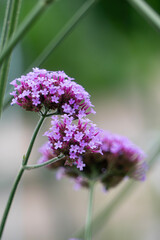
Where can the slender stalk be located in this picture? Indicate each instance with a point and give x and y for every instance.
(3, 81)
(53, 160)
(145, 9)
(7, 101)
(24, 27)
(6, 23)
(88, 230)
(105, 214)
(18, 178)
(14, 17)
(13, 20)
(101, 219)
(4, 36)
(10, 199)
(25, 160)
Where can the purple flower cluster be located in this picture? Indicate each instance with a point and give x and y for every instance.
(120, 159)
(123, 157)
(52, 90)
(73, 140)
(106, 157)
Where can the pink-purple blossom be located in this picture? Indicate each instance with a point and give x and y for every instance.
(120, 158)
(73, 140)
(123, 158)
(53, 90)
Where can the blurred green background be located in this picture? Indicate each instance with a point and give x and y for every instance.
(115, 54)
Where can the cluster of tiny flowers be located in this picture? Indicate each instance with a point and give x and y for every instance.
(53, 90)
(124, 159)
(120, 159)
(73, 140)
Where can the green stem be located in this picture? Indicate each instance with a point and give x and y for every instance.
(13, 20)
(10, 199)
(6, 23)
(88, 230)
(25, 160)
(145, 9)
(15, 185)
(7, 101)
(3, 81)
(107, 211)
(53, 160)
(24, 27)
(14, 17)
(52, 114)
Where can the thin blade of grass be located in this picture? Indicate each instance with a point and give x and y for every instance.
(149, 13)
(10, 28)
(6, 23)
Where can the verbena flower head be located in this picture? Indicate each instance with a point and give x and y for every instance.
(52, 90)
(120, 159)
(73, 140)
